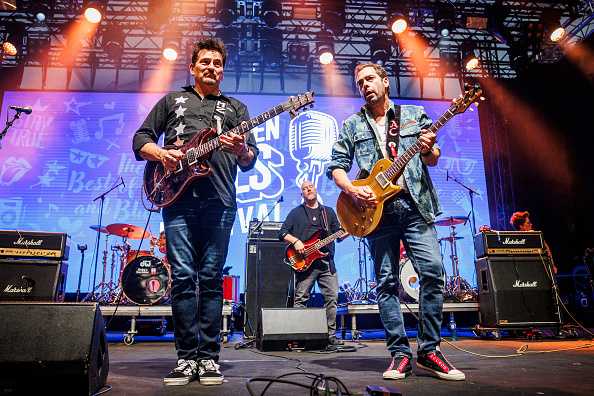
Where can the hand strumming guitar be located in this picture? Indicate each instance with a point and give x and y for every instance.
(170, 158)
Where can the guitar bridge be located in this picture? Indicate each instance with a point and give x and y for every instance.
(381, 179)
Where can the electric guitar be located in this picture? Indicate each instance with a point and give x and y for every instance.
(301, 262)
(360, 220)
(163, 187)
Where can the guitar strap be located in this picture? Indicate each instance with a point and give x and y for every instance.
(219, 115)
(325, 224)
(393, 135)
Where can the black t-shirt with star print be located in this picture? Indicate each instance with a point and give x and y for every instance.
(182, 114)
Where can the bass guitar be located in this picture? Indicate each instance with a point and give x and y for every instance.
(360, 220)
(163, 187)
(301, 262)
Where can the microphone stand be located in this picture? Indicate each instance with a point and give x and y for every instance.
(102, 198)
(471, 193)
(16, 116)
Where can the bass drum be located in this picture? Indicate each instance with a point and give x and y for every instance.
(146, 280)
(410, 280)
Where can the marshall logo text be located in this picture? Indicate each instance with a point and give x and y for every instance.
(17, 289)
(519, 283)
(512, 241)
(27, 242)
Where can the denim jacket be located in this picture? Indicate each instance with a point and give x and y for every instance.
(357, 140)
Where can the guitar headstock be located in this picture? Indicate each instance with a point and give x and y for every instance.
(295, 103)
(471, 94)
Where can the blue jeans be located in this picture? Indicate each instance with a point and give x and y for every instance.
(402, 220)
(197, 228)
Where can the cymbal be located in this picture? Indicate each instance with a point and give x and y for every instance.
(95, 227)
(451, 220)
(127, 231)
(450, 238)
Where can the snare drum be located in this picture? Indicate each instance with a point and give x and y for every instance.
(146, 280)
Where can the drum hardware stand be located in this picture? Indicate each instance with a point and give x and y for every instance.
(363, 282)
(101, 197)
(81, 247)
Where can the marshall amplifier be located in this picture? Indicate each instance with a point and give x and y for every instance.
(40, 280)
(34, 244)
(268, 231)
(508, 243)
(515, 292)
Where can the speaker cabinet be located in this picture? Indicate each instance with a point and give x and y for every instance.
(59, 347)
(301, 327)
(515, 292)
(267, 280)
(34, 280)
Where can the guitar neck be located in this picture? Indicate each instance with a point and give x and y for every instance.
(398, 166)
(242, 128)
(330, 238)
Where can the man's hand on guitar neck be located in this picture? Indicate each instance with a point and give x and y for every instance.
(237, 145)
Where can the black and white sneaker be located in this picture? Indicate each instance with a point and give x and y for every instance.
(209, 373)
(399, 368)
(437, 364)
(186, 371)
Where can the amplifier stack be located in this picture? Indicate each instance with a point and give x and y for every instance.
(514, 280)
(33, 265)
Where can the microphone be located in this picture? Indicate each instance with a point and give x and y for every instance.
(447, 175)
(22, 109)
(122, 179)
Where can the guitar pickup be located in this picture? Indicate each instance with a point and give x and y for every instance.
(191, 156)
(381, 179)
(180, 166)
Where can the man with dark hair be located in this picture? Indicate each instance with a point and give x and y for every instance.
(300, 225)
(198, 224)
(385, 130)
(521, 222)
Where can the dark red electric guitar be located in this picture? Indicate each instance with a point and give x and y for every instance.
(301, 262)
(162, 187)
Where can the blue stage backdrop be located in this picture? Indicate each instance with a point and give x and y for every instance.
(75, 145)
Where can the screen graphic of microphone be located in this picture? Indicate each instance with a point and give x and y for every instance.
(311, 136)
(22, 109)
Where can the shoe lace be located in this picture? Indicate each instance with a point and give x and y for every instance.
(183, 364)
(210, 365)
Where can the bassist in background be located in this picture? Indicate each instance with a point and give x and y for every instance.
(300, 225)
(198, 224)
(384, 130)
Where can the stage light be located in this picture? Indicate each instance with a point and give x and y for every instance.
(398, 24)
(112, 42)
(226, 11)
(94, 11)
(469, 59)
(170, 46)
(496, 14)
(298, 53)
(557, 34)
(445, 19)
(271, 12)
(9, 49)
(333, 15)
(325, 48)
(40, 17)
(271, 45)
(230, 36)
(381, 49)
(158, 14)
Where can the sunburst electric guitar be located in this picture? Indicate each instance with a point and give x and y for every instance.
(360, 220)
(301, 262)
(163, 187)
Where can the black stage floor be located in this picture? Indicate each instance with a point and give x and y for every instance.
(138, 369)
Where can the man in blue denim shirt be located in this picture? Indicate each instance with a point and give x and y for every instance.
(408, 217)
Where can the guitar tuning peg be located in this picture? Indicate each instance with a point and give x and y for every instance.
(476, 104)
(482, 98)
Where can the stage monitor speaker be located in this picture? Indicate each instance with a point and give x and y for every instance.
(32, 280)
(515, 292)
(300, 327)
(54, 348)
(267, 280)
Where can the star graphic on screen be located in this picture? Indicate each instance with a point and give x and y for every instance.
(53, 167)
(74, 106)
(44, 180)
(180, 111)
(181, 99)
(37, 107)
(180, 128)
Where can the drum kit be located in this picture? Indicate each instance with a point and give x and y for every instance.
(456, 287)
(142, 277)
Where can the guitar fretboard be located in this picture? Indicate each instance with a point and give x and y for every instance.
(323, 242)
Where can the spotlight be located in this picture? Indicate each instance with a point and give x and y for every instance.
(226, 11)
(333, 15)
(551, 20)
(557, 34)
(298, 53)
(9, 49)
(445, 18)
(94, 11)
(230, 36)
(271, 45)
(158, 14)
(398, 23)
(13, 41)
(469, 58)
(271, 12)
(113, 42)
(170, 47)
(381, 49)
(325, 48)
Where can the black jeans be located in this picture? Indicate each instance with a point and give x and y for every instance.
(197, 230)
